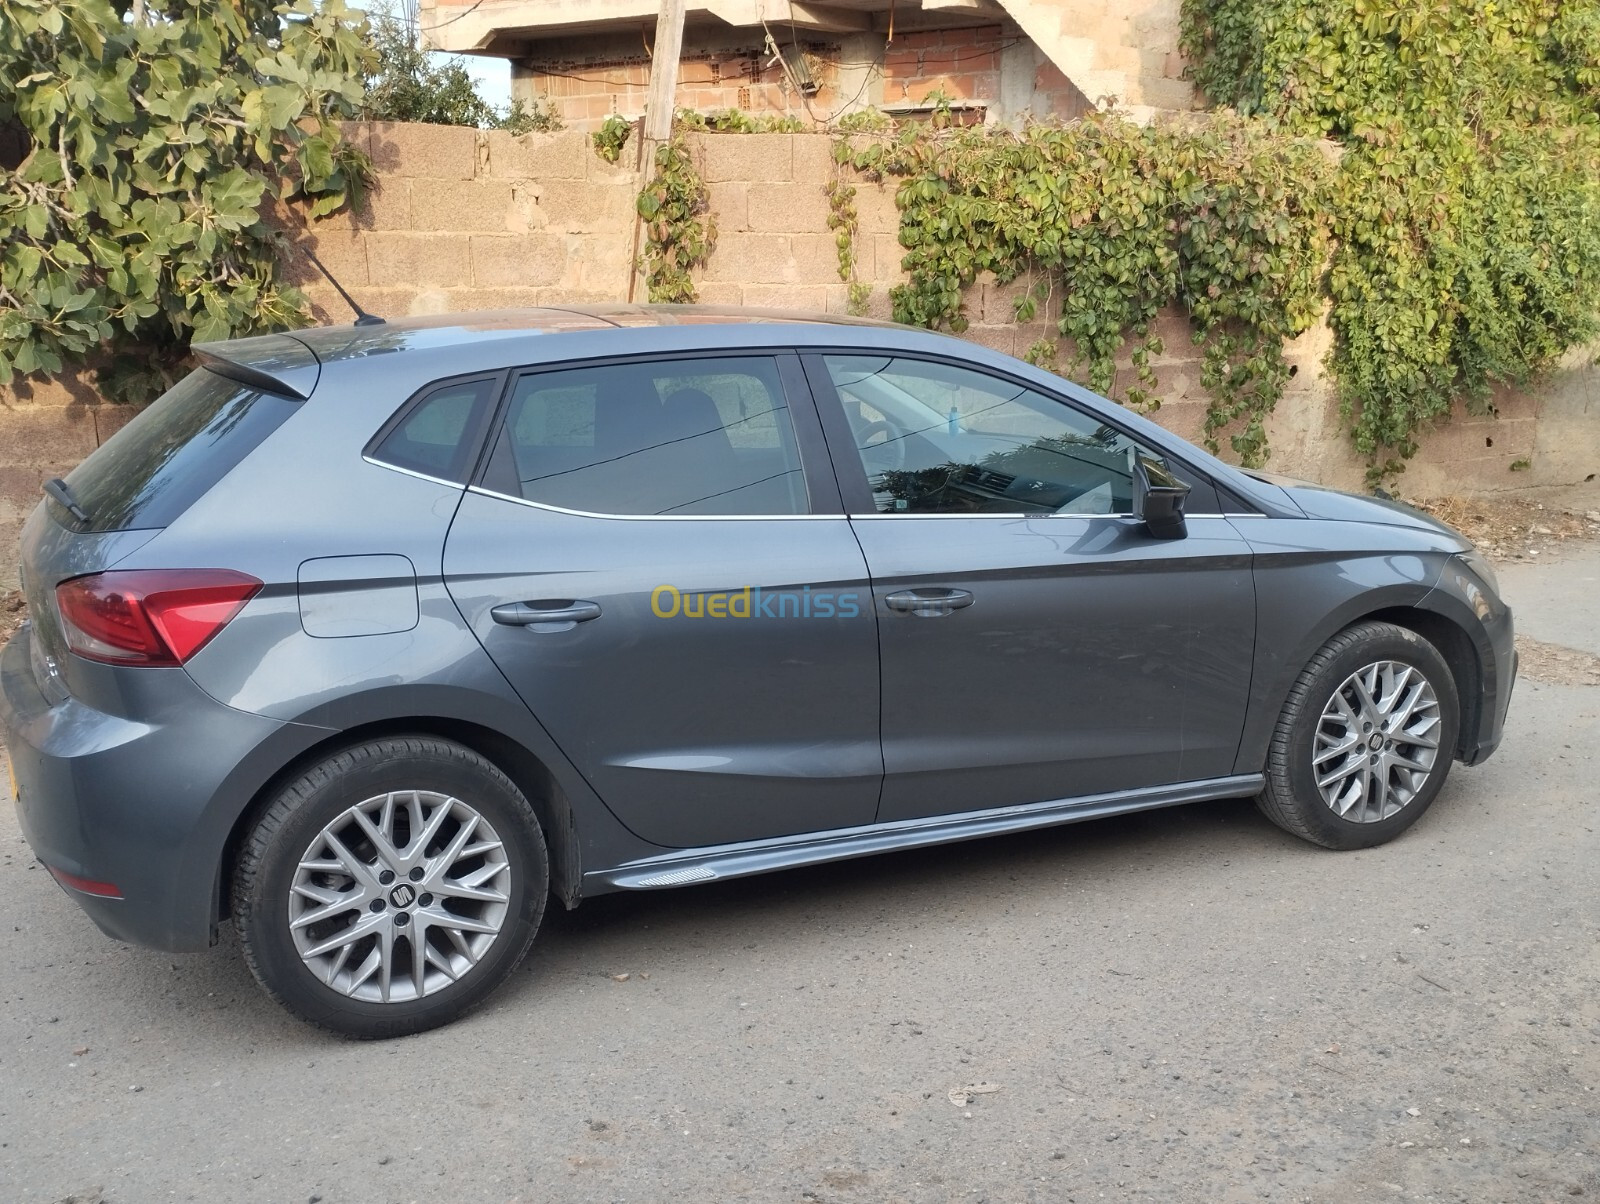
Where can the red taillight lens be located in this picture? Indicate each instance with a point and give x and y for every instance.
(149, 616)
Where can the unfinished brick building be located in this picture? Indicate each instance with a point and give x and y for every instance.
(997, 60)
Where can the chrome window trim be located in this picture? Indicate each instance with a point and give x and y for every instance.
(409, 472)
(671, 518)
(745, 518)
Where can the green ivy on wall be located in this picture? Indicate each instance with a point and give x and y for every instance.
(1465, 210)
(680, 230)
(152, 140)
(1112, 221)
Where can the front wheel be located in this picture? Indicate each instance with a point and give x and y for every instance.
(391, 887)
(1365, 740)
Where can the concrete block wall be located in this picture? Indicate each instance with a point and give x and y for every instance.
(468, 220)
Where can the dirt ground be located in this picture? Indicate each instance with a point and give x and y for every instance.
(1182, 1006)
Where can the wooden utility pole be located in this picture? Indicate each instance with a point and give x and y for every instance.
(660, 106)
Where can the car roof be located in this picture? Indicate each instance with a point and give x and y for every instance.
(291, 362)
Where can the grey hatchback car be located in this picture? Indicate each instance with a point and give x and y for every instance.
(371, 639)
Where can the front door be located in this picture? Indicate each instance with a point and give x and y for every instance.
(679, 604)
(1037, 643)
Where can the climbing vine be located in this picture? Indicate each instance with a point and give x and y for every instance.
(1109, 222)
(680, 230)
(844, 221)
(611, 137)
(1465, 211)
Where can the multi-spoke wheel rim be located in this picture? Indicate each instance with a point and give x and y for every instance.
(1377, 742)
(400, 896)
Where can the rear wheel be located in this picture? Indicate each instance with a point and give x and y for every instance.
(390, 887)
(1365, 740)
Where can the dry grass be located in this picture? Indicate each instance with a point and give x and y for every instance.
(1513, 528)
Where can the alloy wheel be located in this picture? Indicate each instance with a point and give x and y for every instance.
(400, 896)
(1377, 741)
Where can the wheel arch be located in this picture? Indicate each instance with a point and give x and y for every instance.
(525, 769)
(1459, 652)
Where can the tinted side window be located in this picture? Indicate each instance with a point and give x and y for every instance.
(937, 439)
(435, 435)
(157, 466)
(678, 437)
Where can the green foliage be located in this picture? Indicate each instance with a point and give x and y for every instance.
(1111, 221)
(864, 121)
(611, 137)
(1466, 206)
(408, 83)
(154, 143)
(680, 231)
(843, 220)
(737, 121)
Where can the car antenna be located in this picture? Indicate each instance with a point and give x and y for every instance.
(363, 318)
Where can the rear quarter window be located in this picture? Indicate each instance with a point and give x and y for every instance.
(162, 462)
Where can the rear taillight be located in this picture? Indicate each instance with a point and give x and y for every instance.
(149, 616)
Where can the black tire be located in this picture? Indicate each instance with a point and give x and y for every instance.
(1292, 799)
(264, 884)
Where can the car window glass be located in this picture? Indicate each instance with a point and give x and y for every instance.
(157, 466)
(938, 439)
(434, 437)
(685, 437)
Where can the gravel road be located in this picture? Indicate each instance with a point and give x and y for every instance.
(1187, 1005)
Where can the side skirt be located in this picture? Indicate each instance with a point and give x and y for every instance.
(684, 867)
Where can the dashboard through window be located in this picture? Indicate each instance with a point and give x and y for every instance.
(939, 439)
(673, 438)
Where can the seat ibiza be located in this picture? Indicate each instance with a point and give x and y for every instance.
(371, 639)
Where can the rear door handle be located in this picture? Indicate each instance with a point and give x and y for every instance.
(928, 603)
(546, 614)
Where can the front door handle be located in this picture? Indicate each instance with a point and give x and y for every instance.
(928, 603)
(546, 614)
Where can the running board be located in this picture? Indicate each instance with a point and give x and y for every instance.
(687, 866)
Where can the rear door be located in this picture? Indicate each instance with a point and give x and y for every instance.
(657, 559)
(1037, 642)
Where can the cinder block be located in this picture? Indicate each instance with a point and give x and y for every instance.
(799, 207)
(998, 302)
(342, 250)
(996, 338)
(887, 254)
(811, 298)
(557, 156)
(448, 152)
(425, 260)
(717, 292)
(752, 258)
(876, 211)
(815, 258)
(579, 205)
(470, 300)
(517, 261)
(730, 203)
(813, 157)
(1184, 418)
(465, 206)
(386, 205)
(757, 158)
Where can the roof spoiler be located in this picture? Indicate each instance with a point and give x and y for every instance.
(275, 363)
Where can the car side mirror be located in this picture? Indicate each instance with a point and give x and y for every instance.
(1158, 498)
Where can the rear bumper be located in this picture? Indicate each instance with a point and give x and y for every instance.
(143, 805)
